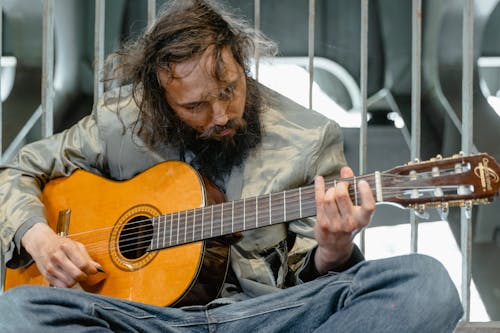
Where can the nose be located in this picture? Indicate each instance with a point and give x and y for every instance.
(219, 115)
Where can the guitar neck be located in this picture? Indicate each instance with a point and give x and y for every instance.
(438, 182)
(236, 216)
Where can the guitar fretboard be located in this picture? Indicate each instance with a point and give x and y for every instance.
(235, 216)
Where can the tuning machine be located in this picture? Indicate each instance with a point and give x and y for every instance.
(420, 211)
(415, 161)
(468, 209)
(460, 154)
(443, 211)
(438, 157)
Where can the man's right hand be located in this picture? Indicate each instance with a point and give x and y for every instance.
(62, 261)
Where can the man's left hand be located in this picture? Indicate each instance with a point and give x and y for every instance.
(338, 219)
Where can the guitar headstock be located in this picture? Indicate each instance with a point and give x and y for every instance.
(451, 181)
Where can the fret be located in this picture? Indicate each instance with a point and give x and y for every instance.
(164, 228)
(300, 202)
(222, 219)
(244, 214)
(355, 192)
(171, 224)
(202, 222)
(194, 223)
(185, 226)
(270, 209)
(256, 212)
(232, 217)
(178, 226)
(284, 205)
(212, 222)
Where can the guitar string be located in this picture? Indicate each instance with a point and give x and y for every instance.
(291, 208)
(140, 223)
(308, 188)
(290, 197)
(391, 192)
(143, 242)
(291, 192)
(194, 231)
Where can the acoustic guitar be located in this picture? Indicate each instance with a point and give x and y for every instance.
(158, 235)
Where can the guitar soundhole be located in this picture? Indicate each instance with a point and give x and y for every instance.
(135, 237)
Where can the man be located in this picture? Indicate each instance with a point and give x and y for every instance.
(190, 98)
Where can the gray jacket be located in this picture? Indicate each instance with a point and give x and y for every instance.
(297, 144)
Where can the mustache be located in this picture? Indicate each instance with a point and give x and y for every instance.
(236, 124)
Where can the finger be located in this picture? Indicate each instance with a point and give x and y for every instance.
(367, 199)
(346, 172)
(55, 282)
(58, 275)
(64, 269)
(79, 256)
(343, 200)
(319, 189)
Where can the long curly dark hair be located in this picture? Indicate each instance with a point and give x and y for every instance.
(184, 30)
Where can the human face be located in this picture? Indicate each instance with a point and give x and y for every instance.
(212, 107)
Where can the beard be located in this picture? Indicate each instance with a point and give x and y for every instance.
(215, 158)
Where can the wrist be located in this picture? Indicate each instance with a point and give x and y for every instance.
(38, 231)
(328, 260)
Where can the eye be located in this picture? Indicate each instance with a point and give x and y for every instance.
(194, 108)
(227, 93)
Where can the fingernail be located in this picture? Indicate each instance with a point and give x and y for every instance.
(99, 269)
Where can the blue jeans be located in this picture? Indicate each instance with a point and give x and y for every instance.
(410, 293)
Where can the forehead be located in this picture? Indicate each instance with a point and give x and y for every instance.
(195, 79)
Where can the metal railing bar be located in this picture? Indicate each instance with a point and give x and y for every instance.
(100, 12)
(467, 146)
(151, 12)
(18, 140)
(363, 82)
(257, 28)
(416, 70)
(310, 39)
(48, 69)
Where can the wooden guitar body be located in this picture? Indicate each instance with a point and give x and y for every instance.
(114, 220)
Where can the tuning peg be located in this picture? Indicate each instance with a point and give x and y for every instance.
(421, 212)
(437, 158)
(468, 209)
(415, 161)
(443, 211)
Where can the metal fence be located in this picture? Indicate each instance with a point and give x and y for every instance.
(45, 111)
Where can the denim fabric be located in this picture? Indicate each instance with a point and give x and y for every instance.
(410, 293)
